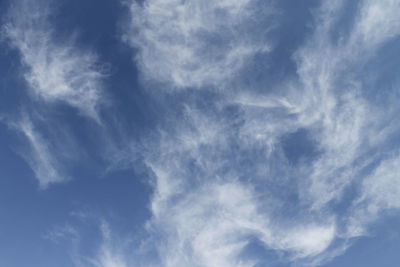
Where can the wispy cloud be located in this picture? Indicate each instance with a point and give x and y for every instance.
(56, 70)
(222, 174)
(194, 43)
(348, 120)
(210, 203)
(227, 174)
(40, 155)
(379, 193)
(109, 251)
(109, 254)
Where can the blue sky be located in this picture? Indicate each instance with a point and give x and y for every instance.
(199, 133)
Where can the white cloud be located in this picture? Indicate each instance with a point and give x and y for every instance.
(378, 22)
(349, 124)
(213, 225)
(56, 70)
(110, 251)
(60, 233)
(382, 187)
(47, 146)
(204, 215)
(222, 177)
(40, 155)
(379, 193)
(196, 43)
(109, 254)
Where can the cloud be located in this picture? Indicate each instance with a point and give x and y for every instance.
(56, 70)
(226, 169)
(194, 43)
(109, 254)
(381, 187)
(377, 23)
(348, 121)
(109, 250)
(214, 226)
(223, 175)
(49, 148)
(40, 155)
(209, 203)
(379, 193)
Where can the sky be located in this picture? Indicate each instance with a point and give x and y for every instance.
(199, 133)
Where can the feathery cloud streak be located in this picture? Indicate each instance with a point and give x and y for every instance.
(40, 156)
(56, 70)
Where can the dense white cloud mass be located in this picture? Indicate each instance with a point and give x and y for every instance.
(57, 71)
(223, 175)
